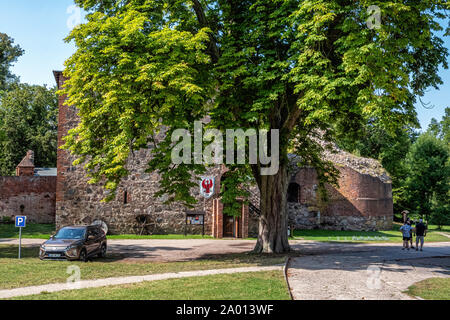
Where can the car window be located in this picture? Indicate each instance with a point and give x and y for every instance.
(91, 232)
(70, 233)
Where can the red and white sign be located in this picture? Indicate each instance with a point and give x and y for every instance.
(207, 185)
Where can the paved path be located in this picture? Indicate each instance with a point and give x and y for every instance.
(444, 234)
(156, 250)
(323, 271)
(363, 271)
(4, 294)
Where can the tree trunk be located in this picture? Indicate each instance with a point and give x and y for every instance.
(273, 237)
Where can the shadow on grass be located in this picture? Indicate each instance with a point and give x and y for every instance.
(334, 234)
(143, 256)
(12, 251)
(32, 230)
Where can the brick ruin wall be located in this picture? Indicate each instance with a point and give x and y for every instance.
(362, 202)
(30, 196)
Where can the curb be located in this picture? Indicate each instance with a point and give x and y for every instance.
(285, 267)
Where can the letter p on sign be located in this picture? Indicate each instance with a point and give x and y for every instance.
(21, 221)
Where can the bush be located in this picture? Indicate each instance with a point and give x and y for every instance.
(7, 220)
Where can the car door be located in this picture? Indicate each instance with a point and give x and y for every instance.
(98, 239)
(90, 241)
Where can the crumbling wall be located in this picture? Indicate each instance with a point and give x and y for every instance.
(361, 202)
(30, 196)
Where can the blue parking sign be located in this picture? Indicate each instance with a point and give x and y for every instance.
(21, 221)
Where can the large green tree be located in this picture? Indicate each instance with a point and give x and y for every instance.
(28, 121)
(309, 68)
(9, 53)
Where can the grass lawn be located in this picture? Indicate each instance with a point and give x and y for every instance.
(31, 231)
(269, 285)
(368, 236)
(431, 289)
(43, 231)
(31, 271)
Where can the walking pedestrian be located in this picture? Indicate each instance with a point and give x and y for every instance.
(421, 232)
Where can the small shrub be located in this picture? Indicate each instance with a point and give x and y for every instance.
(7, 220)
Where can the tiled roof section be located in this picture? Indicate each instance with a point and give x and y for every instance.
(58, 74)
(27, 161)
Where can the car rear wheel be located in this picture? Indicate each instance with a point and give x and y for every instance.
(83, 255)
(102, 252)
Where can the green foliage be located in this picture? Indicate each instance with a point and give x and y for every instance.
(427, 186)
(8, 55)
(441, 129)
(308, 68)
(28, 121)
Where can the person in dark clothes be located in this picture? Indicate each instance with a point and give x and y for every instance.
(421, 232)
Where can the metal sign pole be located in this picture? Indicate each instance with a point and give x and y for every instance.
(204, 211)
(20, 240)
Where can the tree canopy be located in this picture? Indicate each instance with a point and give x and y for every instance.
(310, 69)
(28, 121)
(9, 53)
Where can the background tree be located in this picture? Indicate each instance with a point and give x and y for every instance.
(311, 69)
(28, 122)
(428, 181)
(9, 53)
(441, 129)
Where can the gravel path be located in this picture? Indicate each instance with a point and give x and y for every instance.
(124, 280)
(364, 271)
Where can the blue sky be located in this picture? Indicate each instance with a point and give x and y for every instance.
(39, 27)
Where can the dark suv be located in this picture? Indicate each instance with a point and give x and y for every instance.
(75, 243)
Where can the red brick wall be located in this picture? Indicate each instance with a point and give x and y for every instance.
(33, 197)
(64, 125)
(359, 196)
(25, 171)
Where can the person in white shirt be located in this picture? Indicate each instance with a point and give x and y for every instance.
(406, 231)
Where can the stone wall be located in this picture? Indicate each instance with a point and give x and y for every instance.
(80, 203)
(77, 202)
(30, 196)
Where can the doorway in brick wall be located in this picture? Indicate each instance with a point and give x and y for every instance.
(228, 226)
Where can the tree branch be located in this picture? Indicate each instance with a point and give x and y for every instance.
(292, 119)
(201, 17)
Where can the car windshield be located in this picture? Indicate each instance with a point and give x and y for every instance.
(70, 233)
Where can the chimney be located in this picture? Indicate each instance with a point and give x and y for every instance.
(26, 166)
